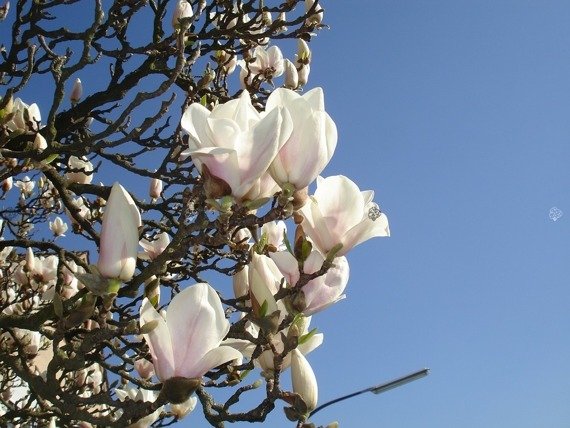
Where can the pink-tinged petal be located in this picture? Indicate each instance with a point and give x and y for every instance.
(326, 290)
(159, 341)
(197, 324)
(222, 163)
(288, 266)
(340, 202)
(119, 237)
(317, 227)
(195, 123)
(363, 231)
(213, 358)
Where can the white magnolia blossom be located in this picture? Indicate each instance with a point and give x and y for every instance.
(339, 213)
(275, 232)
(154, 247)
(311, 145)
(80, 170)
(58, 227)
(187, 341)
(321, 292)
(267, 65)
(27, 118)
(26, 186)
(291, 75)
(234, 144)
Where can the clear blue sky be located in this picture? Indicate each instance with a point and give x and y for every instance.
(457, 114)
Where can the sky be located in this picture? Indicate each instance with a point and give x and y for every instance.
(456, 114)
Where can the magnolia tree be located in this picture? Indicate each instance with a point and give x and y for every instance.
(116, 304)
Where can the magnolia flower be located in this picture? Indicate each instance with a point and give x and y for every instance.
(291, 75)
(26, 117)
(26, 186)
(268, 64)
(119, 238)
(339, 213)
(80, 170)
(226, 60)
(264, 187)
(153, 248)
(58, 227)
(316, 16)
(264, 280)
(266, 360)
(186, 343)
(321, 292)
(155, 188)
(233, 144)
(144, 368)
(275, 232)
(304, 380)
(312, 142)
(76, 92)
(183, 10)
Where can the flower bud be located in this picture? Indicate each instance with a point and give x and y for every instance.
(81, 170)
(40, 143)
(303, 53)
(316, 16)
(304, 380)
(7, 184)
(291, 75)
(4, 11)
(76, 92)
(144, 368)
(303, 74)
(155, 189)
(183, 10)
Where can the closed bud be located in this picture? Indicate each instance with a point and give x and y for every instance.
(183, 10)
(76, 92)
(144, 368)
(291, 75)
(266, 18)
(155, 189)
(40, 143)
(303, 74)
(7, 184)
(304, 380)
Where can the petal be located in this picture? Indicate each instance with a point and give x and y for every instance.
(194, 122)
(213, 358)
(363, 231)
(316, 98)
(197, 324)
(159, 341)
(288, 265)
